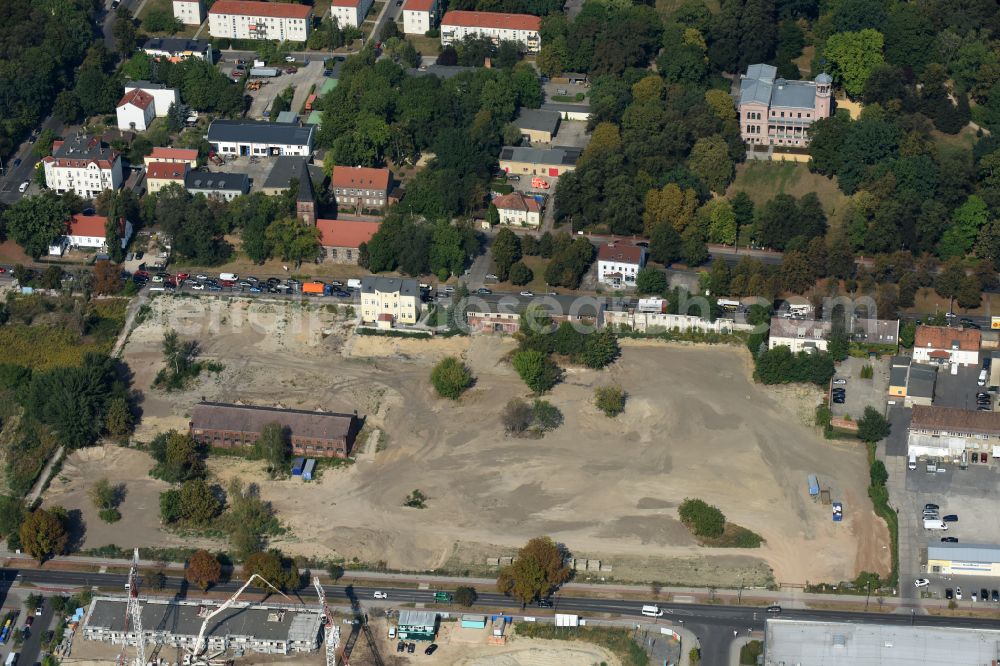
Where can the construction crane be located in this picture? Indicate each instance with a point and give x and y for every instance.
(199, 644)
(133, 614)
(331, 632)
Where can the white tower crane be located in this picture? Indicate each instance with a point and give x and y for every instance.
(133, 614)
(331, 632)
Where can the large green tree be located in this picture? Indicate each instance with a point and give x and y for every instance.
(853, 56)
(536, 572)
(35, 223)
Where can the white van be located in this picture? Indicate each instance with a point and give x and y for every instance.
(654, 611)
(354, 283)
(912, 464)
(231, 277)
(934, 524)
(982, 378)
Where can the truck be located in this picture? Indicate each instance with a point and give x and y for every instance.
(653, 305)
(11, 659)
(354, 283)
(813, 486)
(728, 304)
(267, 72)
(540, 183)
(317, 289)
(310, 101)
(229, 277)
(446, 597)
(935, 524)
(259, 63)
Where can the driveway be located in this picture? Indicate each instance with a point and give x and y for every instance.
(861, 393)
(958, 389)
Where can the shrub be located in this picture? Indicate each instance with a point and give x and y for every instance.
(701, 518)
(610, 400)
(520, 274)
(537, 370)
(110, 515)
(516, 416)
(545, 415)
(465, 595)
(451, 377)
(416, 500)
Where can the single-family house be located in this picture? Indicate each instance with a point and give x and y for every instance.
(162, 96)
(360, 188)
(518, 209)
(188, 156)
(90, 232)
(216, 185)
(946, 344)
(260, 139)
(396, 300)
(777, 112)
(161, 174)
(618, 264)
(537, 125)
(341, 239)
(135, 111)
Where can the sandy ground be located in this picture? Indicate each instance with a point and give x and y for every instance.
(695, 426)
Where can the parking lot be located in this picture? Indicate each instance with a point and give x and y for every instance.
(957, 390)
(860, 393)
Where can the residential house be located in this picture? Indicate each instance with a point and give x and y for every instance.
(284, 171)
(162, 96)
(537, 125)
(311, 433)
(243, 19)
(217, 185)
(569, 111)
(777, 112)
(189, 12)
(951, 434)
(946, 344)
(503, 315)
(551, 162)
(800, 334)
(521, 28)
(260, 139)
(419, 16)
(341, 239)
(186, 155)
(90, 232)
(177, 49)
(518, 209)
(360, 188)
(83, 164)
(396, 300)
(161, 174)
(618, 264)
(350, 12)
(135, 111)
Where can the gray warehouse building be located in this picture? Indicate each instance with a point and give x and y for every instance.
(809, 643)
(250, 627)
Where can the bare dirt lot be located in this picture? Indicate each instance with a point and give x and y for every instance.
(695, 425)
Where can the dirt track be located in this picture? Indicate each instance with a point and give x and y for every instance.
(695, 426)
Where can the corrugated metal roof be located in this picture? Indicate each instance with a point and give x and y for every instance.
(259, 132)
(415, 618)
(966, 552)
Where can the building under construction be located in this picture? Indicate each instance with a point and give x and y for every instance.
(269, 629)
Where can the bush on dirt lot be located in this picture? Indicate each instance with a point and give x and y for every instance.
(701, 518)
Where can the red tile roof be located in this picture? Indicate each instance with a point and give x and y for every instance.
(178, 154)
(516, 201)
(945, 337)
(137, 97)
(268, 9)
(345, 3)
(360, 178)
(492, 20)
(419, 5)
(172, 170)
(345, 233)
(630, 254)
(87, 225)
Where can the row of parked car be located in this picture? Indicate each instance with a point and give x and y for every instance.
(403, 646)
(984, 594)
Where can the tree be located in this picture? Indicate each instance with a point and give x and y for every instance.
(155, 580)
(35, 223)
(124, 32)
(664, 243)
(610, 400)
(516, 416)
(72, 400)
(293, 240)
(107, 278)
(465, 595)
(545, 415)
(43, 534)
(536, 369)
(873, 426)
(203, 569)
(506, 249)
(118, 421)
(179, 457)
(710, 161)
(650, 280)
(694, 252)
(520, 274)
(537, 570)
(853, 57)
(702, 518)
(451, 377)
(273, 446)
(970, 293)
(106, 497)
(949, 281)
(599, 349)
(272, 567)
(199, 502)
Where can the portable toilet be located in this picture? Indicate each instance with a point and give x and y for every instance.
(297, 466)
(307, 471)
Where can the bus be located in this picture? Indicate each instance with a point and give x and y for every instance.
(5, 632)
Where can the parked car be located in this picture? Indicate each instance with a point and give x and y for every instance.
(39, 611)
(949, 539)
(931, 507)
(256, 290)
(973, 596)
(921, 582)
(400, 646)
(431, 649)
(484, 291)
(380, 595)
(30, 620)
(340, 293)
(949, 593)
(198, 286)
(17, 162)
(289, 58)
(449, 289)
(995, 596)
(839, 400)
(24, 187)
(840, 381)
(514, 178)
(774, 608)
(950, 518)
(984, 594)
(411, 648)
(958, 593)
(214, 287)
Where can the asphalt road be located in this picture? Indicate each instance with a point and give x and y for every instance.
(33, 646)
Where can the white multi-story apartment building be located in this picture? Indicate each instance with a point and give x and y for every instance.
(135, 111)
(618, 265)
(242, 19)
(189, 12)
(84, 165)
(389, 301)
(419, 16)
(522, 28)
(518, 209)
(350, 12)
(162, 96)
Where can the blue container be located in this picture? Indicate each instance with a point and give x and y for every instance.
(297, 466)
(307, 471)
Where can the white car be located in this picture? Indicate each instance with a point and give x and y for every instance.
(958, 593)
(381, 595)
(839, 382)
(199, 276)
(527, 293)
(289, 58)
(197, 286)
(921, 582)
(24, 187)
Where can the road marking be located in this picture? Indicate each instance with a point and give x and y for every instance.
(683, 599)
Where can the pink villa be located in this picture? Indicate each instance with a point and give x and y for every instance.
(777, 112)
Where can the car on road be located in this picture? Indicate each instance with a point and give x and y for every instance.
(380, 595)
(774, 608)
(921, 582)
(950, 315)
(289, 58)
(545, 603)
(431, 649)
(198, 286)
(39, 611)
(950, 518)
(2, 270)
(949, 593)
(24, 187)
(949, 539)
(17, 162)
(527, 293)
(840, 381)
(483, 291)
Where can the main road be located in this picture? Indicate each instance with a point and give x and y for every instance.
(714, 624)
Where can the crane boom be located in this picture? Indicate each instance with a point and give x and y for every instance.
(199, 644)
(331, 632)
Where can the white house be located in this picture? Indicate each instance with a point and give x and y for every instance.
(518, 209)
(177, 49)
(89, 231)
(260, 139)
(350, 12)
(522, 28)
(419, 16)
(83, 165)
(242, 19)
(189, 12)
(218, 186)
(618, 265)
(135, 111)
(162, 96)
(188, 156)
(944, 344)
(799, 334)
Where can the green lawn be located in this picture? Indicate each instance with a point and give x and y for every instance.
(425, 45)
(168, 7)
(763, 180)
